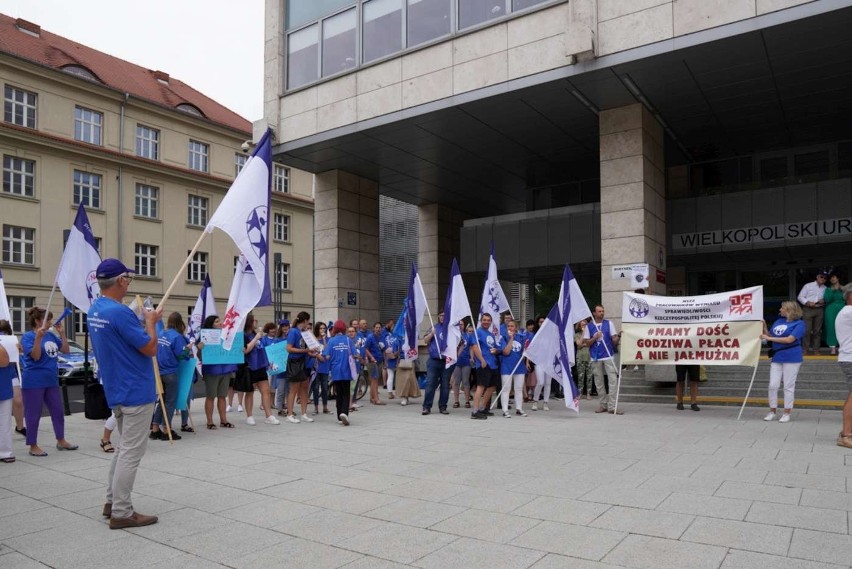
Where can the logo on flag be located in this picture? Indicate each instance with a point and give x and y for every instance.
(256, 230)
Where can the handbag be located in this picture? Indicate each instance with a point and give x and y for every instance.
(353, 369)
(296, 369)
(95, 404)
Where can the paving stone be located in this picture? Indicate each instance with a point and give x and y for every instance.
(295, 552)
(821, 546)
(501, 501)
(554, 561)
(712, 506)
(403, 544)
(475, 554)
(562, 510)
(486, 526)
(644, 522)
(683, 485)
(418, 513)
(759, 492)
(816, 482)
(750, 560)
(761, 538)
(636, 498)
(804, 517)
(570, 540)
(642, 552)
(352, 501)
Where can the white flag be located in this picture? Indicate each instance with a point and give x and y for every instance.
(550, 353)
(5, 314)
(494, 301)
(205, 306)
(455, 308)
(415, 306)
(76, 276)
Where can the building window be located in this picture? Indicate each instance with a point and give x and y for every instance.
(473, 12)
(196, 270)
(18, 307)
(196, 211)
(236, 263)
(282, 315)
(79, 322)
(281, 227)
(282, 276)
(87, 189)
(198, 153)
(18, 176)
(19, 107)
(339, 43)
(303, 57)
(147, 142)
(382, 30)
(281, 179)
(18, 245)
(518, 5)
(428, 20)
(239, 163)
(147, 201)
(146, 260)
(88, 125)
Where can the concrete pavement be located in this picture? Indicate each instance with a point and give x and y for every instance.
(655, 488)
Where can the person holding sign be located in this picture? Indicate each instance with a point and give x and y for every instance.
(511, 370)
(296, 373)
(843, 326)
(375, 346)
(217, 378)
(601, 336)
(256, 364)
(319, 386)
(786, 353)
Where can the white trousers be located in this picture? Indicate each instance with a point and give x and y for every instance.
(541, 381)
(391, 375)
(6, 423)
(519, 391)
(786, 373)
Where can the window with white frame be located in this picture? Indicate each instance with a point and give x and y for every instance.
(281, 179)
(282, 276)
(18, 176)
(87, 189)
(197, 267)
(79, 322)
(147, 201)
(281, 227)
(147, 142)
(236, 263)
(18, 307)
(239, 163)
(198, 155)
(18, 245)
(88, 125)
(146, 260)
(196, 211)
(19, 107)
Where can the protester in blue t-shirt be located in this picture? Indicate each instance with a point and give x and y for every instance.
(40, 383)
(512, 369)
(375, 346)
(217, 380)
(461, 374)
(340, 354)
(487, 374)
(172, 347)
(437, 372)
(358, 354)
(8, 372)
(298, 351)
(785, 339)
(392, 347)
(256, 365)
(319, 384)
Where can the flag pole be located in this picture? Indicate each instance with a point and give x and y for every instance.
(159, 382)
(750, 384)
(183, 267)
(503, 387)
(432, 322)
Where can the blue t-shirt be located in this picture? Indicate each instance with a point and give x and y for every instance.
(7, 374)
(338, 350)
(43, 372)
(322, 367)
(603, 348)
(117, 336)
(294, 338)
(376, 346)
(171, 348)
(256, 359)
(437, 340)
(487, 341)
(394, 344)
(508, 363)
(787, 353)
(464, 351)
(358, 351)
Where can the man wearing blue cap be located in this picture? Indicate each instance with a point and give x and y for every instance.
(124, 349)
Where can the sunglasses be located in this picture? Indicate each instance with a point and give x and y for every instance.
(127, 276)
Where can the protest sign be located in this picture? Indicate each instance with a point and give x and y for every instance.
(277, 356)
(215, 353)
(186, 371)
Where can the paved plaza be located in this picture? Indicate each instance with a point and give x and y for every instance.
(655, 488)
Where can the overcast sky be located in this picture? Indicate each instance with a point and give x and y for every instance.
(216, 46)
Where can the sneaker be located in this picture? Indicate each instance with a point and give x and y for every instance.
(344, 419)
(545, 407)
(251, 421)
(425, 411)
(487, 413)
(292, 419)
(307, 419)
(769, 416)
(785, 418)
(477, 415)
(507, 414)
(535, 406)
(156, 435)
(134, 521)
(282, 413)
(240, 409)
(695, 407)
(520, 413)
(404, 401)
(680, 406)
(315, 412)
(271, 420)
(228, 409)
(165, 436)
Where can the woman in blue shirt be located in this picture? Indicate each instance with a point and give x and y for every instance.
(512, 370)
(217, 379)
(319, 386)
(785, 339)
(340, 354)
(460, 378)
(172, 347)
(40, 384)
(297, 353)
(256, 364)
(392, 346)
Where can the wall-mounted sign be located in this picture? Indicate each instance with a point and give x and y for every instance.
(636, 272)
(764, 233)
(352, 298)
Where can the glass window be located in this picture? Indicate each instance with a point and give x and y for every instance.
(88, 125)
(196, 270)
(79, 322)
(282, 276)
(87, 189)
(198, 153)
(19, 107)
(239, 163)
(518, 5)
(281, 179)
(428, 19)
(147, 142)
(811, 166)
(303, 57)
(196, 211)
(18, 176)
(146, 260)
(18, 245)
(303, 11)
(18, 308)
(338, 43)
(473, 12)
(382, 28)
(147, 201)
(281, 227)
(773, 171)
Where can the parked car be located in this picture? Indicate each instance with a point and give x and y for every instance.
(71, 364)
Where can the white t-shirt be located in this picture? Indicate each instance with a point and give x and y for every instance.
(843, 327)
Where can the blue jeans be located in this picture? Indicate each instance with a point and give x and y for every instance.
(436, 371)
(170, 389)
(319, 386)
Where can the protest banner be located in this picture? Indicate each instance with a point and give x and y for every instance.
(277, 356)
(186, 371)
(215, 353)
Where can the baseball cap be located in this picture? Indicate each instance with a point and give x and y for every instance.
(823, 273)
(111, 268)
(284, 322)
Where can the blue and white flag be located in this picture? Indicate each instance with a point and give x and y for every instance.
(205, 306)
(456, 308)
(415, 308)
(494, 301)
(5, 314)
(399, 327)
(550, 353)
(76, 276)
(572, 308)
(244, 216)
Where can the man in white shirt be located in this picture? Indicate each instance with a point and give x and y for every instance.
(843, 326)
(601, 336)
(811, 299)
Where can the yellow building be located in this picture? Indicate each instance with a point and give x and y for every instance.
(149, 157)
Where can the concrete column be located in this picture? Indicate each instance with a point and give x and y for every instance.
(346, 247)
(438, 244)
(633, 206)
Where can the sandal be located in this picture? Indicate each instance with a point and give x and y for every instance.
(226, 425)
(8, 459)
(187, 429)
(467, 405)
(210, 426)
(22, 431)
(456, 405)
(107, 446)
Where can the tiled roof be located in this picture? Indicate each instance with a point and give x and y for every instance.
(28, 41)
